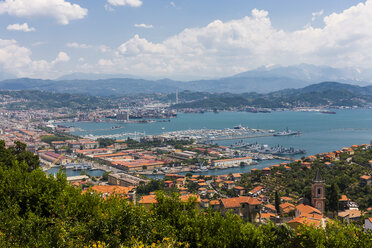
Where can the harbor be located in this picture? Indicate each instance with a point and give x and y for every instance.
(319, 132)
(203, 135)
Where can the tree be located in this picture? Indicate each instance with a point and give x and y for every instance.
(333, 198)
(277, 202)
(41, 211)
(105, 175)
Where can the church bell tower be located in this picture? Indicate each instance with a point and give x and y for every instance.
(318, 193)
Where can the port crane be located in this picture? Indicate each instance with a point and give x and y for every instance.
(52, 164)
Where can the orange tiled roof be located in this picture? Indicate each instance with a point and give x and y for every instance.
(239, 187)
(352, 213)
(305, 221)
(253, 201)
(234, 202)
(267, 215)
(306, 209)
(185, 198)
(286, 198)
(287, 205)
(365, 177)
(270, 206)
(148, 199)
(237, 201)
(111, 189)
(344, 198)
(256, 189)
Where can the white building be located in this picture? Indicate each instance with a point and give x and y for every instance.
(231, 161)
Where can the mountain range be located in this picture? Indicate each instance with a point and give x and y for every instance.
(261, 80)
(325, 94)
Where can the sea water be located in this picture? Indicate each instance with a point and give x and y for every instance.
(320, 132)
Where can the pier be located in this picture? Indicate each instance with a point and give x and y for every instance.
(234, 137)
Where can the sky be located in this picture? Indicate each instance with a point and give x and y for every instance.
(180, 39)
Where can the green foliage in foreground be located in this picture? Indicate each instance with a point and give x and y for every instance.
(40, 211)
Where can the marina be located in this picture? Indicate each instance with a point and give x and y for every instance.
(202, 135)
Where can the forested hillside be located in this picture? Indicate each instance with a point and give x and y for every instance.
(40, 211)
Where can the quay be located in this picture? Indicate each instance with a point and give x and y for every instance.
(234, 137)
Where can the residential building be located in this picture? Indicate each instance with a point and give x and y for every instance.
(244, 206)
(124, 179)
(256, 191)
(231, 161)
(350, 215)
(107, 190)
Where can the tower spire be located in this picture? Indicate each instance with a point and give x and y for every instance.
(318, 178)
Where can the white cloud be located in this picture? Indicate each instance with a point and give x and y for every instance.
(17, 60)
(20, 27)
(142, 25)
(61, 10)
(316, 15)
(131, 3)
(62, 57)
(137, 46)
(172, 4)
(104, 49)
(223, 48)
(77, 45)
(105, 62)
(108, 7)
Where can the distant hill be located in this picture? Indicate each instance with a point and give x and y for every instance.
(123, 86)
(309, 73)
(331, 94)
(322, 94)
(104, 87)
(36, 99)
(94, 76)
(261, 80)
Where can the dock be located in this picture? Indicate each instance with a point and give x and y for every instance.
(234, 137)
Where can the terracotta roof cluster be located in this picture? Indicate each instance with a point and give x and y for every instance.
(255, 190)
(351, 213)
(287, 207)
(237, 201)
(307, 210)
(306, 221)
(148, 199)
